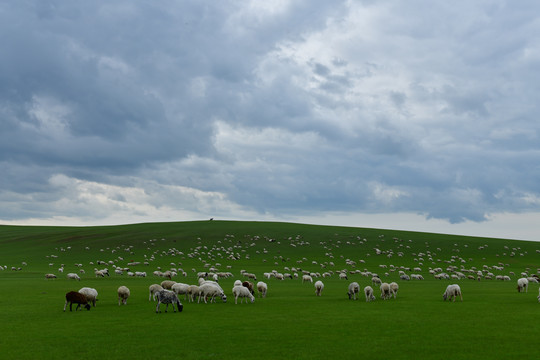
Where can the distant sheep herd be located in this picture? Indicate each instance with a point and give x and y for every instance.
(208, 289)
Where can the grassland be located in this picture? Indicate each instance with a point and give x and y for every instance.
(493, 321)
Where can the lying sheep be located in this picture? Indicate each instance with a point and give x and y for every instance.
(91, 295)
(522, 284)
(74, 297)
(50, 276)
(123, 295)
(368, 291)
(262, 288)
(394, 287)
(385, 291)
(153, 290)
(168, 297)
(319, 286)
(209, 290)
(353, 290)
(73, 276)
(243, 293)
(451, 292)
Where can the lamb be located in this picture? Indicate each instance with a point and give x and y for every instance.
(73, 276)
(522, 284)
(50, 276)
(451, 292)
(168, 297)
(123, 295)
(243, 293)
(368, 291)
(354, 289)
(153, 290)
(385, 291)
(90, 293)
(77, 298)
(262, 288)
(319, 286)
(394, 287)
(211, 290)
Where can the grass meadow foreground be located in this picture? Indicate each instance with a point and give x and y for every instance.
(493, 322)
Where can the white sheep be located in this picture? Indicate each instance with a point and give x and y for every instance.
(123, 295)
(451, 292)
(212, 291)
(368, 291)
(394, 287)
(353, 290)
(307, 278)
(91, 295)
(522, 284)
(385, 291)
(153, 290)
(262, 288)
(50, 276)
(376, 280)
(243, 293)
(73, 276)
(237, 283)
(192, 291)
(319, 286)
(180, 289)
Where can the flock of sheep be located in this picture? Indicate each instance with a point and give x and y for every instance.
(230, 250)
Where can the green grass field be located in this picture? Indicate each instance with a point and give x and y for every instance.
(493, 322)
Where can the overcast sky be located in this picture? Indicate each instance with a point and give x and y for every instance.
(417, 115)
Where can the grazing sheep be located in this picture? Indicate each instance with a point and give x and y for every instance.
(451, 292)
(99, 273)
(343, 276)
(353, 290)
(385, 291)
(394, 287)
(90, 293)
(167, 284)
(180, 289)
(262, 288)
(123, 295)
(243, 293)
(153, 290)
(168, 297)
(50, 276)
(211, 290)
(368, 291)
(73, 276)
(376, 281)
(238, 283)
(307, 278)
(77, 298)
(192, 292)
(522, 284)
(319, 286)
(250, 286)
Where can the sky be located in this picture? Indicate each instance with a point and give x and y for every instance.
(413, 115)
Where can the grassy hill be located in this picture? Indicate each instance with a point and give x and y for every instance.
(291, 322)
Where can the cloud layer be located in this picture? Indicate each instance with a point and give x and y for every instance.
(276, 108)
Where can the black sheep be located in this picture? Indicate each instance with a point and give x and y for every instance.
(77, 298)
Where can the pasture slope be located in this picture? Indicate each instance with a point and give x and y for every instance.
(493, 322)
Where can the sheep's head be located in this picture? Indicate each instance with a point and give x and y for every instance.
(224, 297)
(87, 306)
(180, 306)
(444, 296)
